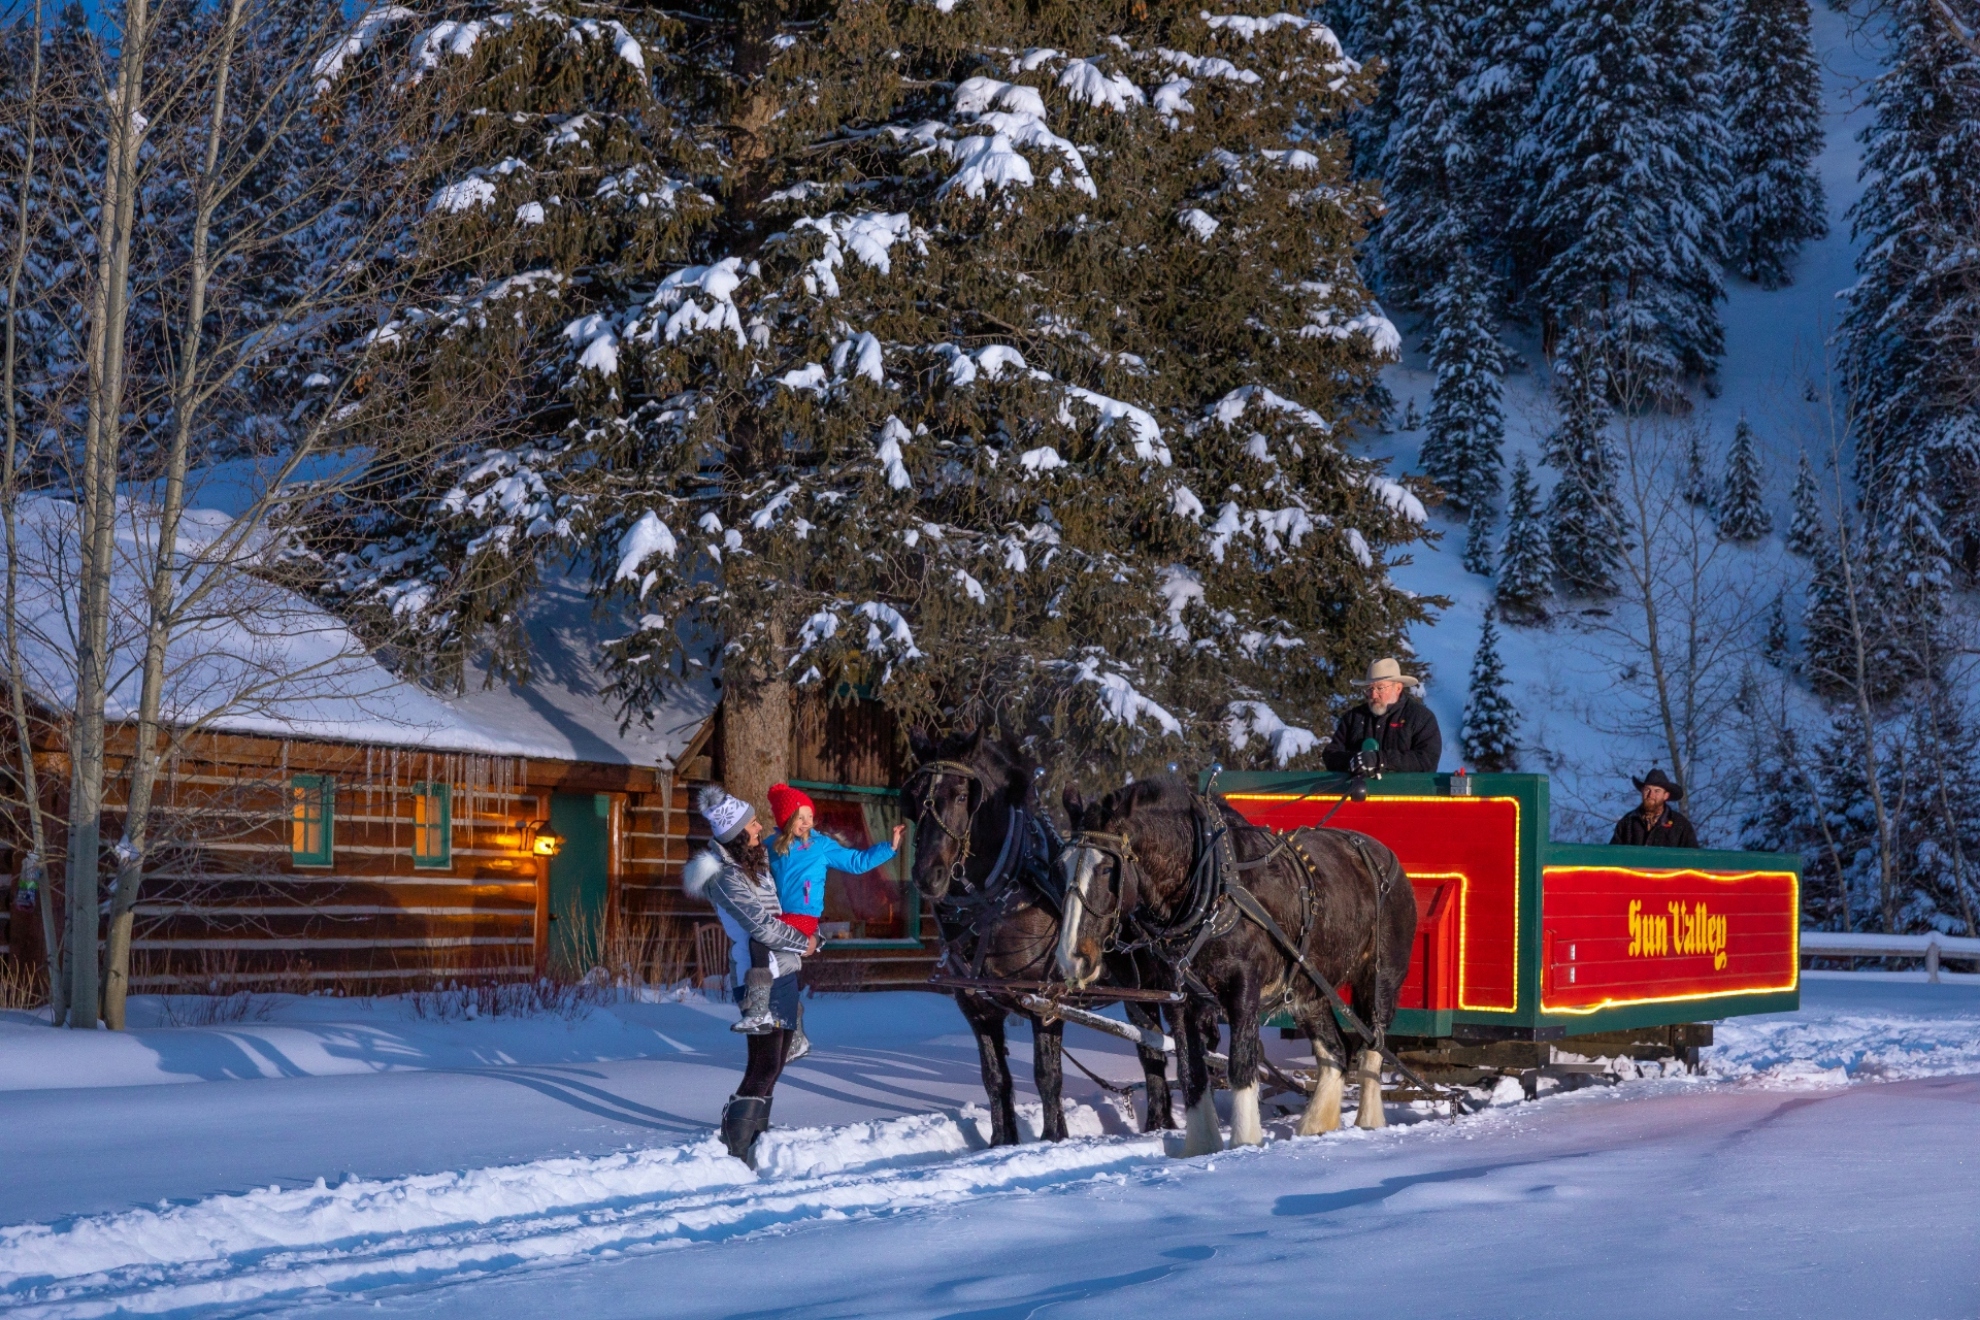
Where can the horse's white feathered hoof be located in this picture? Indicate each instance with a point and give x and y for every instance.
(1246, 1128)
(1371, 1115)
(1200, 1135)
(1323, 1111)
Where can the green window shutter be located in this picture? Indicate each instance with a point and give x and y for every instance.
(433, 825)
(312, 819)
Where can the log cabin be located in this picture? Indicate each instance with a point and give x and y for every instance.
(340, 829)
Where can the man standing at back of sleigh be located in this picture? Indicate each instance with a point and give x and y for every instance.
(1656, 824)
(1394, 717)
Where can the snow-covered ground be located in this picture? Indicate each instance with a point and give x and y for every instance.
(1564, 679)
(340, 1155)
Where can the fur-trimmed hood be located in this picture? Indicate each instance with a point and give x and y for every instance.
(701, 868)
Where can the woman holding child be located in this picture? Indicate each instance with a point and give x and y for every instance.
(769, 933)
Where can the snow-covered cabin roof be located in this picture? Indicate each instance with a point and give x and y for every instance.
(259, 659)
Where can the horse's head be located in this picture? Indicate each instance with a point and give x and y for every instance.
(1104, 874)
(946, 795)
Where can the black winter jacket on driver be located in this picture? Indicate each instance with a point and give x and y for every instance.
(1407, 734)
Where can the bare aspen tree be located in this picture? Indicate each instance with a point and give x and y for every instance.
(1847, 669)
(1684, 613)
(28, 221)
(187, 361)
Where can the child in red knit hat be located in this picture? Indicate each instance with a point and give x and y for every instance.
(801, 855)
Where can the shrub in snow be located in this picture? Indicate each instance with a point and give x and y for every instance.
(1742, 503)
(799, 380)
(1489, 736)
(1772, 90)
(1526, 563)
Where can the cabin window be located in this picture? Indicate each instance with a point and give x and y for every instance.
(433, 825)
(312, 808)
(881, 906)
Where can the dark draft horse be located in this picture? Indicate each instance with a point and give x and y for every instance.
(985, 860)
(1154, 865)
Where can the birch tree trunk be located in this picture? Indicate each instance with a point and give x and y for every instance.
(150, 736)
(34, 867)
(102, 456)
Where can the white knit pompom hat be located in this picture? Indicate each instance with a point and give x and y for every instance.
(725, 815)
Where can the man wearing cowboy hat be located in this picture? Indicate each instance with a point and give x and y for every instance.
(1403, 728)
(1657, 824)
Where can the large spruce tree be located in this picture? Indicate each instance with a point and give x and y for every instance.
(1625, 165)
(1429, 171)
(1911, 322)
(1772, 90)
(994, 360)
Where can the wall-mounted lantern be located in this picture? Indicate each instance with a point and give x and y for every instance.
(540, 839)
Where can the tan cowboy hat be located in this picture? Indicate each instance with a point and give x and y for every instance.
(1385, 670)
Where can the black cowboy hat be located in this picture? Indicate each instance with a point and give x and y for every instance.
(1661, 780)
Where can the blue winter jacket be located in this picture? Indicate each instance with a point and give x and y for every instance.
(800, 873)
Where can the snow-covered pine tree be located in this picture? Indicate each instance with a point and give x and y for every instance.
(1584, 524)
(1507, 44)
(1372, 31)
(1625, 158)
(1742, 504)
(1786, 812)
(1805, 533)
(1772, 92)
(1910, 324)
(1428, 168)
(1943, 870)
(1863, 898)
(1526, 565)
(1697, 484)
(1489, 736)
(1860, 637)
(1914, 572)
(1478, 547)
(1467, 424)
(879, 358)
(1775, 643)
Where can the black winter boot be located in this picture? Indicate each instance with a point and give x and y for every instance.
(744, 1119)
(756, 1020)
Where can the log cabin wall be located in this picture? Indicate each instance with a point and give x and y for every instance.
(228, 899)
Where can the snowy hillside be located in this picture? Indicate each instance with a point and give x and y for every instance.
(1564, 678)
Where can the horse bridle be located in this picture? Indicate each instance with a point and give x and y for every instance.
(934, 771)
(1117, 847)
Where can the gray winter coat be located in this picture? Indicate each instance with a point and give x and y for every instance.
(748, 908)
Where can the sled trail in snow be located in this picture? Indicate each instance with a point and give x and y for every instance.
(243, 1252)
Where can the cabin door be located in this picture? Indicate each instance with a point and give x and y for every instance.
(579, 881)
